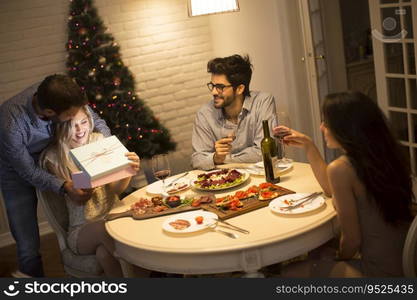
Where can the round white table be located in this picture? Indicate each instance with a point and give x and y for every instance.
(273, 237)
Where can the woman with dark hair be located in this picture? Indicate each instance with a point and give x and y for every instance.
(370, 183)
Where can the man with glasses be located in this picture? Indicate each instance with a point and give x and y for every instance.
(229, 128)
(26, 128)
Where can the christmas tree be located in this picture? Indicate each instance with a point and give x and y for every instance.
(94, 61)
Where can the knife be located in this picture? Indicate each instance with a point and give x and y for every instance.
(233, 226)
(304, 200)
(176, 179)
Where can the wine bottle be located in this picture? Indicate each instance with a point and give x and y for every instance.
(269, 155)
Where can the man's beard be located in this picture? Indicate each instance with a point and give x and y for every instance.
(228, 100)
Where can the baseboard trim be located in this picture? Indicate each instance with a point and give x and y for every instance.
(6, 239)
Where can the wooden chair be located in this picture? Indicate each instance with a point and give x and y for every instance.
(56, 212)
(410, 251)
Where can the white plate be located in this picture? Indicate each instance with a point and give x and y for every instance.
(156, 187)
(208, 219)
(245, 177)
(278, 203)
(258, 168)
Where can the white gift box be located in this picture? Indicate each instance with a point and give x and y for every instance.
(101, 162)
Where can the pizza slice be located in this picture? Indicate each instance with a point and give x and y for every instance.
(253, 191)
(267, 195)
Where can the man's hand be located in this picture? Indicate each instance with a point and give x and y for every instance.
(223, 148)
(79, 196)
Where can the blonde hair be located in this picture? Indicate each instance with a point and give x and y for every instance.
(60, 147)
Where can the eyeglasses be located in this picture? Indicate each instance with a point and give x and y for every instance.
(219, 87)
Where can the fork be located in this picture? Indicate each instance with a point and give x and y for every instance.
(230, 226)
(304, 200)
(176, 179)
(229, 234)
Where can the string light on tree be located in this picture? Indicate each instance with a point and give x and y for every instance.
(116, 81)
(95, 62)
(82, 31)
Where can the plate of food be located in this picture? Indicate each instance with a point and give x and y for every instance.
(281, 204)
(220, 179)
(145, 208)
(258, 168)
(180, 185)
(189, 221)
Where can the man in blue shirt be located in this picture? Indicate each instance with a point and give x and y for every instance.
(26, 128)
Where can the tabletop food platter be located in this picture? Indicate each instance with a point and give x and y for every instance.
(219, 180)
(243, 201)
(145, 208)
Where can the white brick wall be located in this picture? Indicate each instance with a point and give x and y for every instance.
(165, 49)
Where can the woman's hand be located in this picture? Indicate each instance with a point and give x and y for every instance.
(135, 160)
(118, 187)
(297, 139)
(78, 196)
(292, 137)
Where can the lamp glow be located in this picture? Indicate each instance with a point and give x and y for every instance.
(208, 7)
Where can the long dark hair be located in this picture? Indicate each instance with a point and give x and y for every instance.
(360, 127)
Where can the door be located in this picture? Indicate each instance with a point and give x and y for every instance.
(394, 23)
(315, 59)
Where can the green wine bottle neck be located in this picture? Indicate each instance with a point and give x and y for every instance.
(266, 128)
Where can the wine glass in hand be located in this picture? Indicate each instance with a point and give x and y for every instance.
(160, 168)
(283, 120)
(227, 131)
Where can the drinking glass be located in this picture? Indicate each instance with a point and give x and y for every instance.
(160, 167)
(283, 120)
(228, 131)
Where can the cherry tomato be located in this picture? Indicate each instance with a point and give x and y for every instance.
(195, 203)
(266, 194)
(253, 190)
(241, 194)
(265, 185)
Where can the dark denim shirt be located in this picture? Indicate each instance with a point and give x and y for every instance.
(23, 136)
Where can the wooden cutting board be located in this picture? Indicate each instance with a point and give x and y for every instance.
(150, 214)
(249, 204)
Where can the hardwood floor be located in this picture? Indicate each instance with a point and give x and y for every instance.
(50, 255)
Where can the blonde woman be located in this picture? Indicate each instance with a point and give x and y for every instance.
(86, 231)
